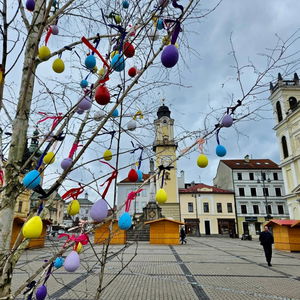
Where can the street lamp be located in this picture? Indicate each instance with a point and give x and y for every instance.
(263, 179)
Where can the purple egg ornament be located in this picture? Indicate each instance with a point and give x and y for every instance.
(30, 5)
(99, 210)
(85, 103)
(54, 29)
(72, 262)
(66, 163)
(41, 293)
(227, 120)
(169, 56)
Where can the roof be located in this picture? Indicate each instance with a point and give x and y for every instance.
(251, 164)
(126, 180)
(21, 221)
(85, 201)
(164, 219)
(291, 223)
(205, 189)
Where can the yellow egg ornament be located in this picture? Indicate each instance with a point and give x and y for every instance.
(113, 53)
(101, 72)
(79, 248)
(58, 65)
(107, 155)
(33, 228)
(44, 53)
(161, 196)
(73, 207)
(49, 158)
(202, 161)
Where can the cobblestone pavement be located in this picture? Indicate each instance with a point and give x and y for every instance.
(205, 268)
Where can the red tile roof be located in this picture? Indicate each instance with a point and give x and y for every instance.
(252, 164)
(283, 222)
(197, 188)
(126, 180)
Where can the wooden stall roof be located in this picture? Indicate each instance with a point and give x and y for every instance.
(165, 219)
(21, 221)
(290, 223)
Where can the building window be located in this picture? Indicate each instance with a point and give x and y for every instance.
(278, 191)
(293, 103)
(279, 112)
(239, 176)
(256, 209)
(205, 207)
(242, 192)
(253, 191)
(275, 176)
(244, 209)
(190, 207)
(229, 207)
(219, 207)
(265, 191)
(263, 175)
(269, 209)
(280, 209)
(20, 206)
(251, 176)
(257, 228)
(284, 147)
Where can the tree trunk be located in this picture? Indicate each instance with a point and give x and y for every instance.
(16, 151)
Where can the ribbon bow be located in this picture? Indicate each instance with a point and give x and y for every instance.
(82, 238)
(131, 196)
(109, 180)
(55, 119)
(73, 193)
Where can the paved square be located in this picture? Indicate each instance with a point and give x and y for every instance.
(205, 268)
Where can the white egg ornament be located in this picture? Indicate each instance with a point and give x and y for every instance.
(99, 115)
(131, 125)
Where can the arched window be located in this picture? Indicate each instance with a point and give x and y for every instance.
(293, 103)
(284, 147)
(279, 112)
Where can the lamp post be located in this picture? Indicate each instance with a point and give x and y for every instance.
(263, 180)
(196, 207)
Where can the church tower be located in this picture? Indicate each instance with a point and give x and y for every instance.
(165, 149)
(285, 96)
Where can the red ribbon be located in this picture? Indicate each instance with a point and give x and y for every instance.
(55, 119)
(1, 177)
(49, 32)
(72, 193)
(110, 179)
(131, 196)
(73, 149)
(82, 238)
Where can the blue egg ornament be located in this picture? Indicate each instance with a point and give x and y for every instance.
(125, 221)
(90, 62)
(32, 179)
(115, 113)
(84, 83)
(160, 24)
(125, 4)
(140, 175)
(59, 261)
(118, 63)
(221, 150)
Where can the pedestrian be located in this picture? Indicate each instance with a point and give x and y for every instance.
(182, 236)
(266, 240)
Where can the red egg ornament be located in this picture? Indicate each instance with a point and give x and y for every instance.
(128, 49)
(102, 95)
(133, 175)
(132, 71)
(170, 56)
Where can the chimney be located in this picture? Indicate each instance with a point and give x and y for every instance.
(246, 158)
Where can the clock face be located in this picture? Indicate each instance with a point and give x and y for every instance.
(152, 214)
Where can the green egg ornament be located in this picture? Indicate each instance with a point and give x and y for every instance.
(33, 228)
(118, 19)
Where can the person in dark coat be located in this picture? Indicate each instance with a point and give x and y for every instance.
(182, 236)
(266, 240)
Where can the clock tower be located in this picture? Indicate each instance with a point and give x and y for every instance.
(165, 150)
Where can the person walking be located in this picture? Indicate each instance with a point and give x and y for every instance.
(266, 240)
(182, 236)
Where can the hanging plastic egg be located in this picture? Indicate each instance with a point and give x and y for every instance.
(101, 72)
(202, 161)
(79, 248)
(125, 221)
(128, 49)
(131, 125)
(33, 228)
(66, 163)
(41, 292)
(160, 24)
(99, 115)
(80, 111)
(113, 53)
(99, 210)
(132, 175)
(132, 71)
(44, 53)
(227, 120)
(85, 103)
(84, 83)
(102, 95)
(58, 65)
(90, 62)
(107, 155)
(161, 196)
(118, 19)
(59, 261)
(115, 113)
(221, 150)
(49, 158)
(30, 5)
(73, 207)
(170, 56)
(125, 4)
(118, 63)
(72, 262)
(32, 179)
(54, 29)
(140, 175)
